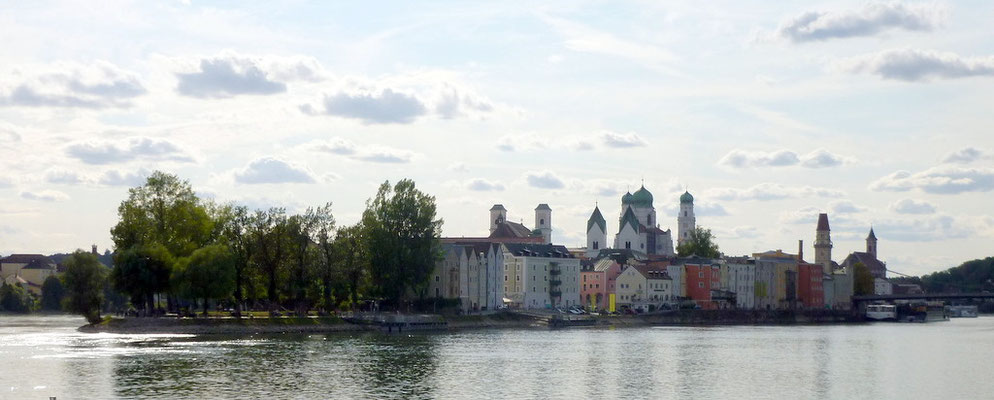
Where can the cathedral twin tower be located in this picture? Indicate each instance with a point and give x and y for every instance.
(638, 228)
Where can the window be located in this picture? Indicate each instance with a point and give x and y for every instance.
(700, 285)
(595, 245)
(436, 278)
(505, 278)
(684, 214)
(700, 274)
(437, 293)
(628, 245)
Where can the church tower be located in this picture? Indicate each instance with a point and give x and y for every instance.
(498, 214)
(686, 222)
(823, 243)
(596, 232)
(871, 244)
(543, 222)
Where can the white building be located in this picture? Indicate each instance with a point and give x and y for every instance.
(686, 221)
(596, 233)
(659, 287)
(742, 281)
(540, 276)
(882, 286)
(630, 287)
(470, 272)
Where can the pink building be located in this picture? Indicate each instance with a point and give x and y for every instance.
(597, 282)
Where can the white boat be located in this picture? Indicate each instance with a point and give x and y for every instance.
(962, 311)
(881, 312)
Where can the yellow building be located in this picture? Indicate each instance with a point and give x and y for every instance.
(30, 270)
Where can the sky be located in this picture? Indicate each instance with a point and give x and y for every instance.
(878, 113)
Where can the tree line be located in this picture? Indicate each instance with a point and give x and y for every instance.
(174, 251)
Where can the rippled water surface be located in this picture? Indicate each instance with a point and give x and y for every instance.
(45, 356)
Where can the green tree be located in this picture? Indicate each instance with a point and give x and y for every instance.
(700, 243)
(52, 293)
(14, 298)
(269, 234)
(235, 232)
(84, 280)
(207, 274)
(164, 213)
(349, 252)
(141, 272)
(303, 231)
(402, 235)
(862, 280)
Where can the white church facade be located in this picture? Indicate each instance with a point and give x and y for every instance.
(638, 227)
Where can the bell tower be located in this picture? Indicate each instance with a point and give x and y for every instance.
(823, 243)
(498, 214)
(543, 222)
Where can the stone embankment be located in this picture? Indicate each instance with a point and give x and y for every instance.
(501, 320)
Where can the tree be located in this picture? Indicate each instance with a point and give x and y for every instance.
(303, 232)
(236, 229)
(402, 234)
(14, 298)
(84, 280)
(701, 243)
(862, 280)
(52, 293)
(163, 214)
(207, 274)
(141, 272)
(353, 258)
(269, 233)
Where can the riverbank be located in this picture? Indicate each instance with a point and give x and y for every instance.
(504, 320)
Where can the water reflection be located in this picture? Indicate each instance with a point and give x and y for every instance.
(47, 357)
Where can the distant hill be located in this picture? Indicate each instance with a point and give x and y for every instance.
(106, 259)
(971, 276)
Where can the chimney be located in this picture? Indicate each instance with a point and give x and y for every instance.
(94, 250)
(800, 250)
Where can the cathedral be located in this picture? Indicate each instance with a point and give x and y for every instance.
(638, 228)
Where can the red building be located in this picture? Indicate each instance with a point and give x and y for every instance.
(700, 279)
(597, 283)
(809, 285)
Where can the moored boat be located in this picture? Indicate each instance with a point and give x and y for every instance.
(881, 312)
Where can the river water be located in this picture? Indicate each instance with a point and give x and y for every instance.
(46, 356)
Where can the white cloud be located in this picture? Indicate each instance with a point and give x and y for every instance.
(229, 74)
(386, 107)
(521, 142)
(272, 170)
(967, 155)
(584, 39)
(544, 180)
(134, 148)
(70, 85)
(44, 195)
(453, 103)
(911, 206)
(124, 178)
(867, 21)
(483, 185)
(771, 191)
(944, 179)
(621, 140)
(64, 177)
(820, 158)
(923, 229)
(373, 153)
(911, 65)
(458, 167)
(845, 207)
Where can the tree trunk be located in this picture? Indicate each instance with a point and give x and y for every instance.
(205, 307)
(238, 292)
(150, 304)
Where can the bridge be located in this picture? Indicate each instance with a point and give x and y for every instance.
(922, 296)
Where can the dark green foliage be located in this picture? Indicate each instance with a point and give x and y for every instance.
(971, 276)
(52, 293)
(701, 243)
(141, 272)
(402, 233)
(85, 279)
(15, 298)
(207, 274)
(862, 280)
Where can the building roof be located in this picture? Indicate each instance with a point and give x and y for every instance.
(543, 206)
(642, 197)
(867, 259)
(686, 197)
(508, 229)
(598, 219)
(629, 218)
(626, 198)
(499, 207)
(604, 264)
(871, 236)
(23, 258)
(538, 250)
(823, 222)
(693, 260)
(40, 263)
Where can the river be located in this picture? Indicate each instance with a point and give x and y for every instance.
(42, 356)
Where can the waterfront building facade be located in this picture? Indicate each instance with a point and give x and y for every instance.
(630, 287)
(30, 270)
(471, 273)
(540, 276)
(742, 281)
(810, 290)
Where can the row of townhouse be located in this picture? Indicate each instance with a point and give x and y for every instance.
(489, 275)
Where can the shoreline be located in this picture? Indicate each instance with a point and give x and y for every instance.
(510, 320)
